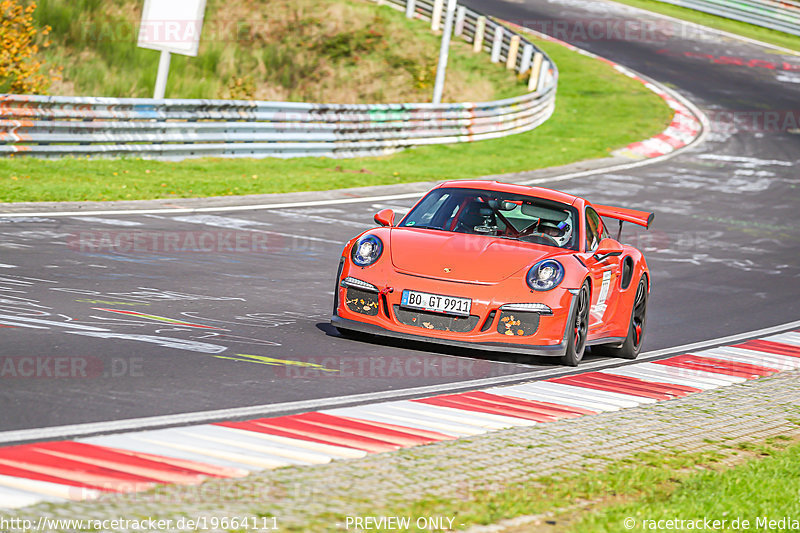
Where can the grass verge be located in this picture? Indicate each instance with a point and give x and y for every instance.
(755, 495)
(766, 35)
(343, 51)
(746, 482)
(598, 110)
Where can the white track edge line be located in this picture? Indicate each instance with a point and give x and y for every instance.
(200, 417)
(219, 209)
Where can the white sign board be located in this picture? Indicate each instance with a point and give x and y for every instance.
(172, 25)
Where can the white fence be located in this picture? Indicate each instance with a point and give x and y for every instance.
(777, 15)
(57, 126)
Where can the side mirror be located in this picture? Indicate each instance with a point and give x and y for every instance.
(607, 248)
(384, 217)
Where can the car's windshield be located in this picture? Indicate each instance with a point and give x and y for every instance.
(496, 214)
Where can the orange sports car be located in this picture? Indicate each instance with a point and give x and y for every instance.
(497, 266)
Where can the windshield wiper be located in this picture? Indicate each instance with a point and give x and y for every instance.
(415, 226)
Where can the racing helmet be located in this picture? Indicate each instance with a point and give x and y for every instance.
(561, 232)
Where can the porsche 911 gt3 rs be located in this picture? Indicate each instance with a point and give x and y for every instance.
(498, 266)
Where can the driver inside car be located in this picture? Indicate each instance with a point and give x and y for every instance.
(560, 232)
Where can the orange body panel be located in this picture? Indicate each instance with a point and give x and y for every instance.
(491, 272)
(642, 218)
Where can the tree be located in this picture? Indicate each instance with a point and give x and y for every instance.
(19, 64)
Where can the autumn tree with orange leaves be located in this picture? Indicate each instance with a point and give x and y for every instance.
(19, 64)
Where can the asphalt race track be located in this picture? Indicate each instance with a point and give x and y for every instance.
(115, 317)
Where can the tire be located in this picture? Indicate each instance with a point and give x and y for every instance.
(336, 287)
(633, 341)
(577, 328)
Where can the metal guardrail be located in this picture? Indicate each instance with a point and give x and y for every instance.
(57, 126)
(781, 15)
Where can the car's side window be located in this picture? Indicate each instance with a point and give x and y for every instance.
(594, 229)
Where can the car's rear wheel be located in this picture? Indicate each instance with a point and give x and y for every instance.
(633, 342)
(577, 329)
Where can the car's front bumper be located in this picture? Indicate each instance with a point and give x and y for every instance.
(380, 313)
(556, 350)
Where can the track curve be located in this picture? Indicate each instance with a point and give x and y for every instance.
(98, 326)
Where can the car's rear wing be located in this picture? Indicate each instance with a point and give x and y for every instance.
(642, 218)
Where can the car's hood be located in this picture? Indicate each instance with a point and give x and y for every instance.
(462, 257)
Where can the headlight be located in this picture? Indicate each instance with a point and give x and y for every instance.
(545, 275)
(367, 250)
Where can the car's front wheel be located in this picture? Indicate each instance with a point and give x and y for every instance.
(577, 329)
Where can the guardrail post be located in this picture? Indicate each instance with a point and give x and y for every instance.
(533, 82)
(497, 45)
(461, 16)
(513, 49)
(527, 54)
(543, 75)
(438, 87)
(480, 31)
(436, 16)
(411, 6)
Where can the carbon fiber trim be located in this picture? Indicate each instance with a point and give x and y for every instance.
(362, 302)
(424, 319)
(516, 323)
(556, 350)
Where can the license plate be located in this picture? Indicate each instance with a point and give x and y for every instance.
(450, 305)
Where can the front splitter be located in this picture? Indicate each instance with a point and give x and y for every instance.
(556, 350)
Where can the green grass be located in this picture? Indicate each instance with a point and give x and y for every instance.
(767, 487)
(765, 481)
(733, 26)
(346, 51)
(643, 475)
(598, 110)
